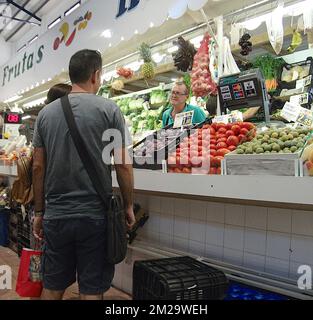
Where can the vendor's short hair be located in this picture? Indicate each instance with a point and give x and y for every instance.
(181, 82)
(58, 91)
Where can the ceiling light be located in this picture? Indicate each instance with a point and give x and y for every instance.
(26, 117)
(136, 31)
(106, 34)
(151, 25)
(70, 10)
(12, 99)
(34, 103)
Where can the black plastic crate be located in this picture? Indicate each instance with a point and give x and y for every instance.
(179, 278)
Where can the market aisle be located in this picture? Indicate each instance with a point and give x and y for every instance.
(10, 258)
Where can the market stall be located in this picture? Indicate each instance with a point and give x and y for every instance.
(233, 190)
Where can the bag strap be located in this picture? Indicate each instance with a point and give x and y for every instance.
(83, 151)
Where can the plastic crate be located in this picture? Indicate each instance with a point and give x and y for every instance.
(4, 228)
(180, 278)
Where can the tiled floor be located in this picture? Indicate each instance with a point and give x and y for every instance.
(10, 258)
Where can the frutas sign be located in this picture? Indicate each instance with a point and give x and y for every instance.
(49, 55)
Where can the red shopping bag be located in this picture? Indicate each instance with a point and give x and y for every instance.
(29, 279)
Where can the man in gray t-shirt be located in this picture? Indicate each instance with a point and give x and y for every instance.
(69, 214)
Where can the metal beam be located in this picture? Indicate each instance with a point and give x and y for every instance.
(24, 10)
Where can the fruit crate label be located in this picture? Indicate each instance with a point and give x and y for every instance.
(183, 119)
(221, 119)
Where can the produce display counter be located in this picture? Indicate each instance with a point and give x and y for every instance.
(274, 191)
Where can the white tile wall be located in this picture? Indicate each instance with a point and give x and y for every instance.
(234, 214)
(197, 248)
(215, 234)
(181, 244)
(233, 256)
(302, 249)
(166, 240)
(256, 217)
(279, 220)
(197, 230)
(181, 207)
(198, 210)
(302, 222)
(278, 245)
(255, 241)
(181, 227)
(273, 240)
(254, 262)
(214, 252)
(167, 224)
(234, 237)
(277, 267)
(215, 212)
(167, 206)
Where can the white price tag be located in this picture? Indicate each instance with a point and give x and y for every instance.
(300, 99)
(183, 119)
(290, 111)
(222, 119)
(235, 116)
(305, 117)
(304, 82)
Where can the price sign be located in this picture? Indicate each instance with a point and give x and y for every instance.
(183, 119)
(234, 116)
(290, 111)
(305, 117)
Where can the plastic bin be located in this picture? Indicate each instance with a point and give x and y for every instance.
(179, 278)
(4, 228)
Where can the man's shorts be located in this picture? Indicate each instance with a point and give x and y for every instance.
(76, 247)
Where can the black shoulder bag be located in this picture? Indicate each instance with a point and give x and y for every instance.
(116, 234)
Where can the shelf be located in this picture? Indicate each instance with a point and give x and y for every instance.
(276, 191)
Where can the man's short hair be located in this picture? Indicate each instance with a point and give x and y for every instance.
(83, 64)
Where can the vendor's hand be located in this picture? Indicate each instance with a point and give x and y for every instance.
(38, 228)
(130, 217)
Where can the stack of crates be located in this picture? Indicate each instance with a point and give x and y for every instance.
(179, 278)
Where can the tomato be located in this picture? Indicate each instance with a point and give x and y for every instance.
(213, 141)
(229, 125)
(219, 171)
(177, 170)
(229, 133)
(220, 125)
(221, 140)
(212, 170)
(196, 161)
(232, 141)
(222, 130)
(222, 152)
(213, 146)
(221, 145)
(244, 131)
(236, 129)
(220, 135)
(242, 138)
(248, 125)
(213, 152)
(232, 148)
(218, 160)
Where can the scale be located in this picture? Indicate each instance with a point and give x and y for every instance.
(12, 122)
(244, 90)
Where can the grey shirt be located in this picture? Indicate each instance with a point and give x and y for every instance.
(68, 190)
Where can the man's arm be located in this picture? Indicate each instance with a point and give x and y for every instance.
(39, 169)
(125, 178)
